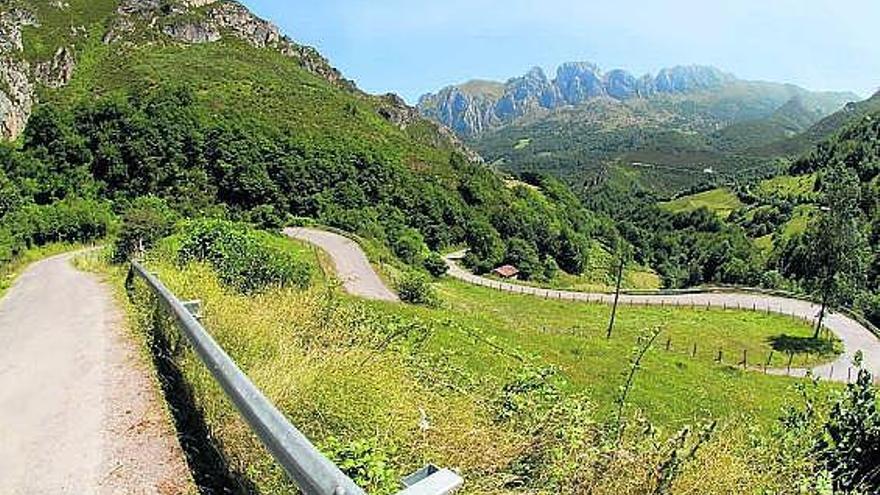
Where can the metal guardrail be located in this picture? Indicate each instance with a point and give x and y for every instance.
(310, 470)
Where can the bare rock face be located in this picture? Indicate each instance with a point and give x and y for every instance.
(11, 23)
(57, 72)
(396, 111)
(16, 98)
(238, 19)
(16, 89)
(192, 33)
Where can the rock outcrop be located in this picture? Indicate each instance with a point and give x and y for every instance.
(469, 113)
(16, 88)
(209, 21)
(58, 72)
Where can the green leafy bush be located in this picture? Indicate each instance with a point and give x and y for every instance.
(435, 265)
(850, 446)
(246, 259)
(366, 463)
(414, 287)
(68, 220)
(147, 220)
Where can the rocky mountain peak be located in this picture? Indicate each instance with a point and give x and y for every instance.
(471, 112)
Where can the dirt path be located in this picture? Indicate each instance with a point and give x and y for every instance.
(352, 266)
(854, 336)
(79, 410)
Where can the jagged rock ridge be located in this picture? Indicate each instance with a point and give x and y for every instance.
(469, 113)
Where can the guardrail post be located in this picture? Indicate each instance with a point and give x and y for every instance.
(194, 307)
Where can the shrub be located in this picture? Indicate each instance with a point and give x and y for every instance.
(246, 259)
(849, 449)
(147, 220)
(366, 463)
(416, 288)
(409, 246)
(435, 265)
(68, 220)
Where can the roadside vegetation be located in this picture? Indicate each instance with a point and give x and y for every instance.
(521, 395)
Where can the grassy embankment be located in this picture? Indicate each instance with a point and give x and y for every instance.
(409, 385)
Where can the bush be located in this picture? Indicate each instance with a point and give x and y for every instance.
(436, 265)
(416, 288)
(409, 246)
(147, 220)
(246, 259)
(366, 463)
(68, 220)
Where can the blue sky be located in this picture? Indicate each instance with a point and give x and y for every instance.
(414, 46)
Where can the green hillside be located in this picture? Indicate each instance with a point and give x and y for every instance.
(216, 112)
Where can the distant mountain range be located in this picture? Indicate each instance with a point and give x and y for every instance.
(697, 124)
(478, 106)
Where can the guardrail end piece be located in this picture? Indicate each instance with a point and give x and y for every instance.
(431, 480)
(194, 307)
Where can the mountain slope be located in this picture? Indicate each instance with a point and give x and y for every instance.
(479, 106)
(213, 110)
(825, 129)
(685, 127)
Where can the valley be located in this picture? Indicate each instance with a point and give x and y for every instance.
(586, 283)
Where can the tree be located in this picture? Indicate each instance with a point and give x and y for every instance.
(147, 220)
(522, 254)
(850, 446)
(835, 245)
(573, 249)
(486, 249)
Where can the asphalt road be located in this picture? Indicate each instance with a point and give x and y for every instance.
(80, 411)
(352, 266)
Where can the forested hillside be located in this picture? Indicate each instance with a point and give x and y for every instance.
(256, 127)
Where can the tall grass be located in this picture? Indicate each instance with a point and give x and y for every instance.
(369, 386)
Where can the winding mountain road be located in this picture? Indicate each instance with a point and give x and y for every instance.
(361, 280)
(352, 266)
(79, 410)
(854, 335)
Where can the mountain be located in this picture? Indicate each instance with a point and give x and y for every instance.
(216, 112)
(825, 128)
(685, 127)
(789, 120)
(470, 111)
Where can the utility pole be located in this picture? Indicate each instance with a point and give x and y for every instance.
(616, 297)
(821, 315)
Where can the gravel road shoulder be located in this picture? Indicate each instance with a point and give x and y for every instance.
(80, 409)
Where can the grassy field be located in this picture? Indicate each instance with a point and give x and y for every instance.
(721, 201)
(571, 336)
(800, 218)
(599, 275)
(406, 385)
